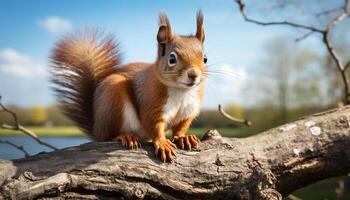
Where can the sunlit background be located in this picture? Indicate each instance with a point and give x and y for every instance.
(260, 73)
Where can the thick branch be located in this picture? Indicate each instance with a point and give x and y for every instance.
(266, 166)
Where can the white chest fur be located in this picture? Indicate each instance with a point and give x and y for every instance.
(181, 104)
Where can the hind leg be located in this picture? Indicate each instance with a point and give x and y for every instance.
(108, 104)
(130, 140)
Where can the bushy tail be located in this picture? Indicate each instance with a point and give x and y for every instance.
(79, 63)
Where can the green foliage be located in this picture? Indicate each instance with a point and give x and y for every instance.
(212, 119)
(236, 111)
(324, 189)
(37, 115)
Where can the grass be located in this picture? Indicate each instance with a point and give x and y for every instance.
(70, 131)
(323, 190)
(62, 131)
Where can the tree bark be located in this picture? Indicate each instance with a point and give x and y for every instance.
(265, 166)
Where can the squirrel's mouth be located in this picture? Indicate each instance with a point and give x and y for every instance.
(190, 84)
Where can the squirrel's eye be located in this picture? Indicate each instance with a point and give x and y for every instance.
(172, 60)
(205, 59)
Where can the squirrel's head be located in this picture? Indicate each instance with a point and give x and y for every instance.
(181, 60)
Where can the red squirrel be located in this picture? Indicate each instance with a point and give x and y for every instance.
(136, 101)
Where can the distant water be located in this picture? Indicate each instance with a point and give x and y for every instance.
(9, 152)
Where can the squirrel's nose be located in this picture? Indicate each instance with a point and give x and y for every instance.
(192, 76)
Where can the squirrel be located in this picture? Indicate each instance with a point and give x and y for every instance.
(133, 102)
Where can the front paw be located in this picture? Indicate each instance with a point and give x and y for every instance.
(129, 140)
(186, 141)
(165, 149)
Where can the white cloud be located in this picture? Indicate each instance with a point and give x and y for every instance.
(55, 24)
(20, 65)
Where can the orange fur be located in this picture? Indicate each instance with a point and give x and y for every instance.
(180, 129)
(136, 100)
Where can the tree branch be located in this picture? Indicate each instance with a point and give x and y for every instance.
(347, 6)
(330, 11)
(20, 148)
(235, 120)
(266, 166)
(242, 8)
(326, 39)
(306, 35)
(337, 20)
(19, 127)
(347, 65)
(332, 52)
(4, 109)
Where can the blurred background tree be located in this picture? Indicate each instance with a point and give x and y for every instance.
(36, 115)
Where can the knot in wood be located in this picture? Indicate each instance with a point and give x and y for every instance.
(211, 134)
(343, 122)
(27, 175)
(270, 194)
(139, 193)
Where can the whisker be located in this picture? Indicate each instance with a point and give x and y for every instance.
(222, 73)
(213, 64)
(218, 71)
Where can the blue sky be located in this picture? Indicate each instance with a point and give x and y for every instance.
(30, 28)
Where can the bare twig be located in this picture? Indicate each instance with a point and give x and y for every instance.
(341, 68)
(242, 8)
(236, 120)
(336, 20)
(29, 133)
(4, 109)
(347, 6)
(19, 127)
(347, 65)
(331, 50)
(20, 148)
(330, 11)
(304, 36)
(324, 32)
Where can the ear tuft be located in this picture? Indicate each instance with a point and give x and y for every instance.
(200, 30)
(165, 33)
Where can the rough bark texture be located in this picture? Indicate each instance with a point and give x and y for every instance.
(266, 166)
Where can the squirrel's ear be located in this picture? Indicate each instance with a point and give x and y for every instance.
(165, 33)
(200, 30)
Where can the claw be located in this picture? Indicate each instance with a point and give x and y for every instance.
(182, 143)
(129, 140)
(163, 156)
(165, 149)
(186, 142)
